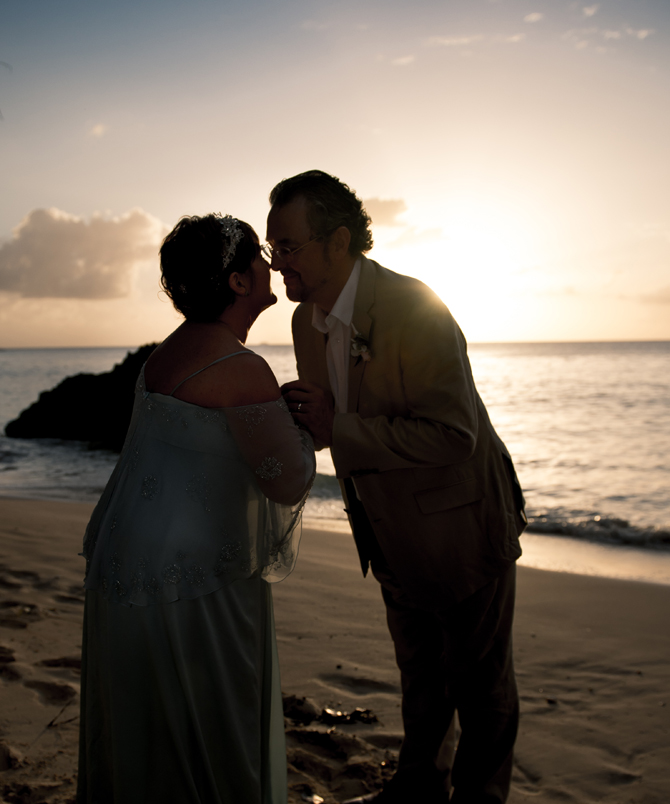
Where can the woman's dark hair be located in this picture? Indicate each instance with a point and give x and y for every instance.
(192, 269)
(330, 204)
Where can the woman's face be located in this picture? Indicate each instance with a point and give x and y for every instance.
(261, 289)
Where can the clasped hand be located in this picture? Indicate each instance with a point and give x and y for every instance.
(311, 408)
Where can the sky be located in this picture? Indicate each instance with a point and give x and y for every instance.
(513, 155)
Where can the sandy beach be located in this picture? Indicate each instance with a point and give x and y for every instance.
(591, 658)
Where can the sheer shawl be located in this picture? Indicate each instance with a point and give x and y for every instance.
(200, 497)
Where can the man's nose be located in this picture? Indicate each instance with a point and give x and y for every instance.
(278, 264)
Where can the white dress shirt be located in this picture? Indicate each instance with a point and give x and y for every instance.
(337, 326)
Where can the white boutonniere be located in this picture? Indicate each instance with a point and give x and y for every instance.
(360, 348)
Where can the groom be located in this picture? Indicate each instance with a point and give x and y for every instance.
(430, 490)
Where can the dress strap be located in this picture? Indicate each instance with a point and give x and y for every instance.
(209, 365)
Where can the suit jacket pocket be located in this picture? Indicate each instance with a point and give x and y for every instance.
(442, 499)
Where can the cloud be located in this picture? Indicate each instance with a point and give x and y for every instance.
(453, 41)
(641, 34)
(589, 11)
(99, 130)
(464, 41)
(534, 17)
(582, 37)
(385, 212)
(56, 255)
(403, 61)
(661, 296)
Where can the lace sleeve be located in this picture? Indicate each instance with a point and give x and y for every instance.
(280, 454)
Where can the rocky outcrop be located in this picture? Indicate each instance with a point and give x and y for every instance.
(95, 408)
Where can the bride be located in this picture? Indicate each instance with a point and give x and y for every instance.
(180, 695)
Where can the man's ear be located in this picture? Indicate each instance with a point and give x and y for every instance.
(339, 241)
(239, 284)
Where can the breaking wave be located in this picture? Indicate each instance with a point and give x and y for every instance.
(606, 530)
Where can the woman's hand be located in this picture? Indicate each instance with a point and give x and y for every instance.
(311, 408)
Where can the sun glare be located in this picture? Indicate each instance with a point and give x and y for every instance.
(475, 261)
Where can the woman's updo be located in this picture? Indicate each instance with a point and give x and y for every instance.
(192, 272)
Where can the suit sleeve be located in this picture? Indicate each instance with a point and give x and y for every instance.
(438, 425)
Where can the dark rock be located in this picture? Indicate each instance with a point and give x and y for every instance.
(331, 716)
(95, 408)
(305, 711)
(300, 710)
(307, 793)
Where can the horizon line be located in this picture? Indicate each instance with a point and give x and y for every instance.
(264, 343)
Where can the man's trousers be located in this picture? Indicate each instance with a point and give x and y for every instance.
(456, 659)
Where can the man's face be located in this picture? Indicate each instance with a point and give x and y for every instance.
(307, 271)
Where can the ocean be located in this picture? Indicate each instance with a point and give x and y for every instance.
(588, 426)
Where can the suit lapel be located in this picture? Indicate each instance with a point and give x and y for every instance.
(362, 325)
(310, 349)
(318, 361)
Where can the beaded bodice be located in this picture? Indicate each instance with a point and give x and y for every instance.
(199, 497)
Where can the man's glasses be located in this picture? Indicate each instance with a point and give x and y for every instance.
(284, 253)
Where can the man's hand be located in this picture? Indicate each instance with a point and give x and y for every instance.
(312, 408)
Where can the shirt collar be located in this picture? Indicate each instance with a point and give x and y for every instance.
(343, 309)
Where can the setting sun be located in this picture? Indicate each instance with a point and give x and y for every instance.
(476, 259)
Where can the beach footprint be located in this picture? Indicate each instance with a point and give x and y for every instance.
(525, 780)
(63, 668)
(47, 584)
(51, 692)
(69, 662)
(7, 582)
(17, 614)
(7, 670)
(6, 655)
(359, 685)
(335, 762)
(15, 579)
(78, 601)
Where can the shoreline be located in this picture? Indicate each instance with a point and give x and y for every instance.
(553, 552)
(591, 656)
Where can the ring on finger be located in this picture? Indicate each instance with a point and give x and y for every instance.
(299, 406)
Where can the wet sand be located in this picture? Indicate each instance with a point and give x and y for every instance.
(591, 654)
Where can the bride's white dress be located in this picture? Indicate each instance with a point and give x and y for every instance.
(180, 684)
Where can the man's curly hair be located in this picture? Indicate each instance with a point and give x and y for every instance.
(330, 204)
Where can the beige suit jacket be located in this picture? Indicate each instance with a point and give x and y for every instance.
(437, 484)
